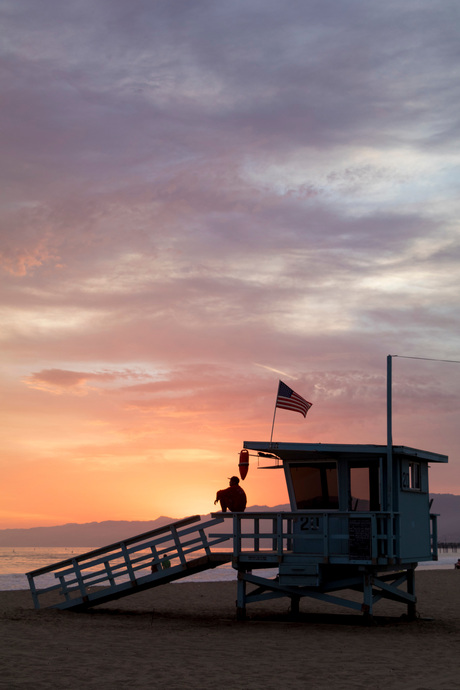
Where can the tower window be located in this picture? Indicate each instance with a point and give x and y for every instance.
(315, 486)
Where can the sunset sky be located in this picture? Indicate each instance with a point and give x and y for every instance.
(199, 199)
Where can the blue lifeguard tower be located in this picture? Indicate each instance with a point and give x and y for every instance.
(360, 521)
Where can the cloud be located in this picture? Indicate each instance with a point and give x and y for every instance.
(192, 188)
(64, 380)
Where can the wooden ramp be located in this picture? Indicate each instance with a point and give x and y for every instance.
(153, 558)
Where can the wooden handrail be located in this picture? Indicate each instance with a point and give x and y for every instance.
(111, 547)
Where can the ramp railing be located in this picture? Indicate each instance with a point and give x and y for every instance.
(134, 564)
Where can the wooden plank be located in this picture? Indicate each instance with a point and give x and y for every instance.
(162, 577)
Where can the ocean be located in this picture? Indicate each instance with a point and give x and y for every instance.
(15, 562)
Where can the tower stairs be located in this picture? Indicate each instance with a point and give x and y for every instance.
(154, 558)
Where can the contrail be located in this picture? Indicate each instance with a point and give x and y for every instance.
(277, 371)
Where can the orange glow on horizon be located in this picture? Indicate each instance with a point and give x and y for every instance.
(135, 494)
(97, 457)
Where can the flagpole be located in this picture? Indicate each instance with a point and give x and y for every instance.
(274, 414)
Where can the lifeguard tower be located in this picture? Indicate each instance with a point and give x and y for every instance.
(360, 520)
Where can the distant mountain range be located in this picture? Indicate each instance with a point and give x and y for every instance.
(111, 531)
(95, 533)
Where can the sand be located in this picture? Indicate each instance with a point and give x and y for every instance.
(186, 636)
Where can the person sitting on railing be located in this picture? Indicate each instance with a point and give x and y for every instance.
(233, 498)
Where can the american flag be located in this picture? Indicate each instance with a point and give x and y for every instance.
(288, 399)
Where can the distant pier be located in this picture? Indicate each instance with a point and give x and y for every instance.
(446, 546)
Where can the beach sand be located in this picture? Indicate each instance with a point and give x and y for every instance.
(186, 635)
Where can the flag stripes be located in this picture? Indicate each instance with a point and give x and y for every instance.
(288, 399)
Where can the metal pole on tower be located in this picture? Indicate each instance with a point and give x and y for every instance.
(389, 501)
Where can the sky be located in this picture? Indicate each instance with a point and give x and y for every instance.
(199, 199)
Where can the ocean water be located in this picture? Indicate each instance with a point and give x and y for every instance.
(15, 562)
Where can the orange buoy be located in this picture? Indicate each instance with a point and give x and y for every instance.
(243, 464)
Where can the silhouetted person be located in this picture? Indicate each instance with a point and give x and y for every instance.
(233, 498)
